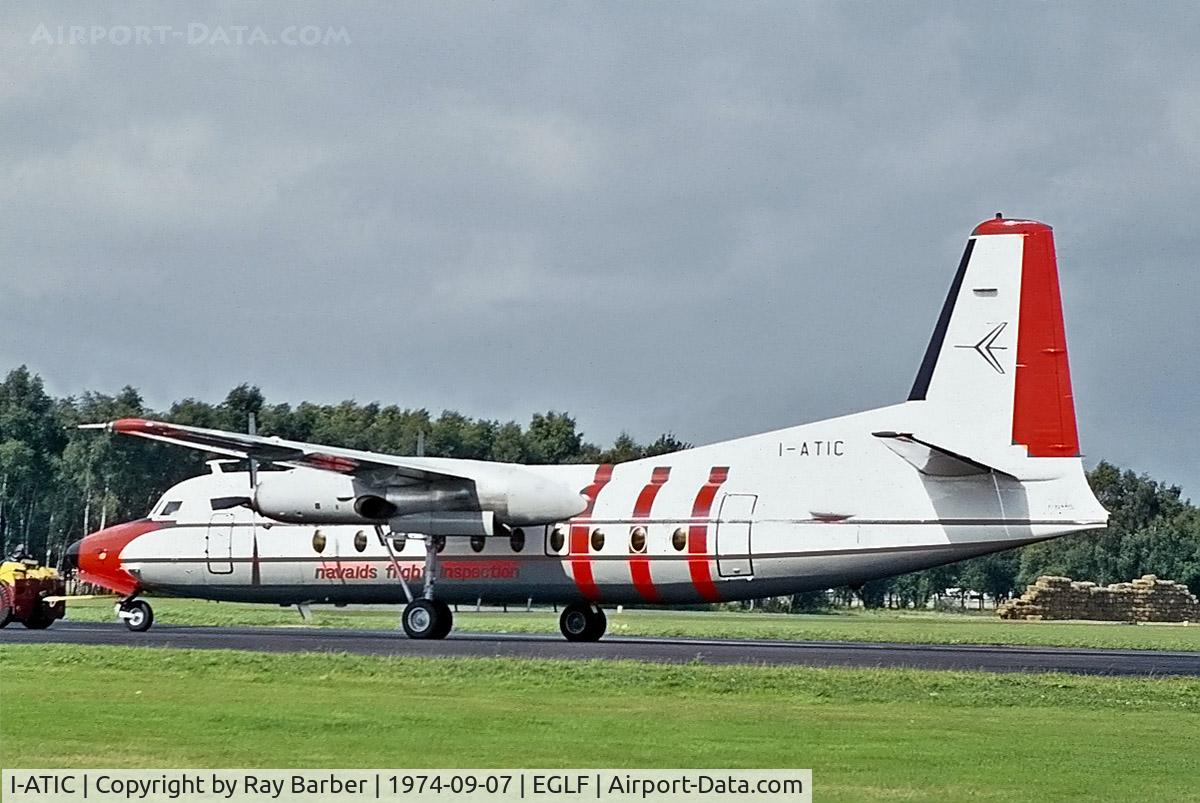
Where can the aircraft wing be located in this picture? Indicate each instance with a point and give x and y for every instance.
(371, 466)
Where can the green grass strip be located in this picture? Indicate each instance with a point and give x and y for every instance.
(868, 734)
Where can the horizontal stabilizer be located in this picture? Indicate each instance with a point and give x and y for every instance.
(932, 460)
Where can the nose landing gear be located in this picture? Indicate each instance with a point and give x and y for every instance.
(136, 614)
(582, 622)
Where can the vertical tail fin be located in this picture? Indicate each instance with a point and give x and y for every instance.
(995, 374)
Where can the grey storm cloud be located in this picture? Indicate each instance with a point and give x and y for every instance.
(710, 219)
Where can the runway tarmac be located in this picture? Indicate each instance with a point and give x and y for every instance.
(675, 650)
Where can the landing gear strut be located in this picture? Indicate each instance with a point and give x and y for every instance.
(426, 617)
(582, 622)
(136, 614)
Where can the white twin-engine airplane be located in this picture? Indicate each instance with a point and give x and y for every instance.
(983, 456)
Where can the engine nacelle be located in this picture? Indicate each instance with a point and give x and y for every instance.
(520, 498)
(307, 497)
(515, 497)
(408, 499)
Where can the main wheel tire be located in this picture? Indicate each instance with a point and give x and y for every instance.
(6, 604)
(141, 615)
(38, 619)
(425, 619)
(445, 619)
(582, 623)
(599, 624)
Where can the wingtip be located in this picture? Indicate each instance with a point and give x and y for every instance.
(129, 426)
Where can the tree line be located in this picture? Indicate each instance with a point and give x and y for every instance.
(58, 483)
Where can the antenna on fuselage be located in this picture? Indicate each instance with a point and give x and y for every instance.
(252, 429)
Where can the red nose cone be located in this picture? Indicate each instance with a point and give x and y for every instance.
(100, 555)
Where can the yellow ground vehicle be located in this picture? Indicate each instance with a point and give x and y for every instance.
(24, 585)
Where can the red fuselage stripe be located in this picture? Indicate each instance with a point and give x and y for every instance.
(639, 565)
(581, 559)
(699, 564)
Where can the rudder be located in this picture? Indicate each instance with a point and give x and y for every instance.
(995, 373)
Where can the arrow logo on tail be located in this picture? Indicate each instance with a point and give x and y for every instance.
(987, 345)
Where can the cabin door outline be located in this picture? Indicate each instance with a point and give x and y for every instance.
(734, 522)
(218, 544)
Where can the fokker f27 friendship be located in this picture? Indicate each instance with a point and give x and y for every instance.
(983, 456)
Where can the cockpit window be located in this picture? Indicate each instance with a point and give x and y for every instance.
(169, 508)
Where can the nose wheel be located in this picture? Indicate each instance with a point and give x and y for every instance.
(427, 619)
(582, 622)
(136, 614)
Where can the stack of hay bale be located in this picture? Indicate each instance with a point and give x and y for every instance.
(1146, 599)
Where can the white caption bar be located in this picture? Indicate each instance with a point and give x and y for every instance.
(411, 786)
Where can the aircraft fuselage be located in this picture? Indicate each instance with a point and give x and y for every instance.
(809, 507)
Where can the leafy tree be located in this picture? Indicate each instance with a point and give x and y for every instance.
(455, 435)
(810, 602)
(30, 439)
(195, 413)
(994, 575)
(873, 594)
(552, 438)
(1173, 547)
(1137, 504)
(509, 445)
(666, 443)
(57, 482)
(623, 450)
(234, 412)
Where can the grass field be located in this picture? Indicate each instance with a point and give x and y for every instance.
(912, 627)
(868, 734)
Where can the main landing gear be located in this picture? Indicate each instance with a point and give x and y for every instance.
(425, 617)
(582, 622)
(136, 614)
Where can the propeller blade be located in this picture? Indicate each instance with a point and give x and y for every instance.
(252, 429)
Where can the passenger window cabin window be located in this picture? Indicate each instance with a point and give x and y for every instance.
(637, 540)
(679, 539)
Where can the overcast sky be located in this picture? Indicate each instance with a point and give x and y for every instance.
(706, 219)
